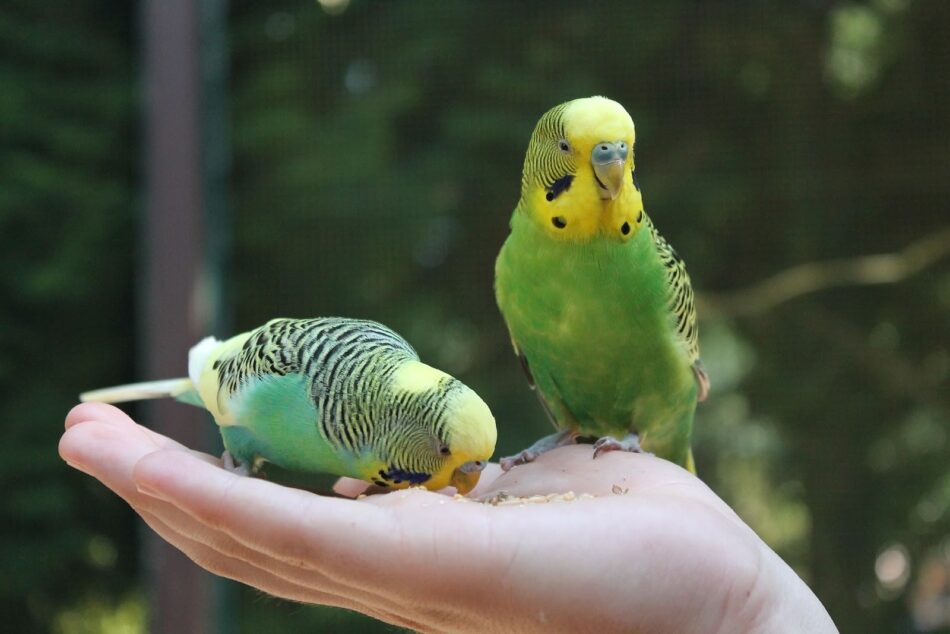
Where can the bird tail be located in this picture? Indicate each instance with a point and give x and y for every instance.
(174, 388)
(183, 389)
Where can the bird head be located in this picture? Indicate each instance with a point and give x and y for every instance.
(578, 178)
(448, 432)
(471, 435)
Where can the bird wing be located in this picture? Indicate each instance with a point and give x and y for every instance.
(682, 306)
(283, 347)
(234, 364)
(267, 350)
(533, 384)
(549, 402)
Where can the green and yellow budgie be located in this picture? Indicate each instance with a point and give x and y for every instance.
(333, 395)
(599, 306)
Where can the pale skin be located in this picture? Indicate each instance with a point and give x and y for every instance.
(654, 551)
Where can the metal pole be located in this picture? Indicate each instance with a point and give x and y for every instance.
(176, 312)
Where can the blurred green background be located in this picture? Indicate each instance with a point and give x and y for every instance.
(376, 150)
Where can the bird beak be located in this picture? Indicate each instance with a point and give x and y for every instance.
(608, 161)
(466, 477)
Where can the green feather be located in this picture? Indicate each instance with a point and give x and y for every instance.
(593, 321)
(598, 305)
(279, 424)
(332, 395)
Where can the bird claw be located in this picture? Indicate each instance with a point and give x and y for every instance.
(524, 457)
(234, 467)
(544, 445)
(608, 443)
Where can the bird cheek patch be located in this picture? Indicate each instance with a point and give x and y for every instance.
(558, 187)
(399, 476)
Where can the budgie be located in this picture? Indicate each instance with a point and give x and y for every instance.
(332, 395)
(598, 305)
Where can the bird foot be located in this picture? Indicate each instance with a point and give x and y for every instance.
(544, 445)
(520, 458)
(630, 443)
(234, 467)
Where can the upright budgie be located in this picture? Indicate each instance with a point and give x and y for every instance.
(333, 395)
(599, 306)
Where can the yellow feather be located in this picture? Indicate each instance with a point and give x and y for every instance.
(415, 377)
(208, 382)
(472, 429)
(588, 122)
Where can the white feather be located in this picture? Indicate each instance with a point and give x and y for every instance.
(174, 388)
(198, 355)
(138, 391)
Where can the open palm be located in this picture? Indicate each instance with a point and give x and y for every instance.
(654, 550)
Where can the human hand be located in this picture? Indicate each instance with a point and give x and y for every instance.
(655, 550)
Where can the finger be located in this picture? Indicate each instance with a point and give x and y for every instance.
(113, 450)
(93, 411)
(109, 451)
(239, 569)
(188, 527)
(350, 487)
(288, 524)
(115, 455)
(102, 412)
(224, 565)
(410, 548)
(183, 531)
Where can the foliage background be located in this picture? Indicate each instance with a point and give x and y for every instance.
(377, 148)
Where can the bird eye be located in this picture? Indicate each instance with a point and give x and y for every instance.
(564, 146)
(444, 450)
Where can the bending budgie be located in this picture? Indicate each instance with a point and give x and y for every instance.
(599, 306)
(333, 395)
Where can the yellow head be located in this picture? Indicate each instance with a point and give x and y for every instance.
(578, 179)
(470, 435)
(445, 432)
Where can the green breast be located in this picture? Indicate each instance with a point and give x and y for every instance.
(592, 320)
(277, 421)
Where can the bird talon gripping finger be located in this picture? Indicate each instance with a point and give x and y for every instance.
(523, 457)
(544, 445)
(608, 443)
(332, 395)
(598, 304)
(228, 463)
